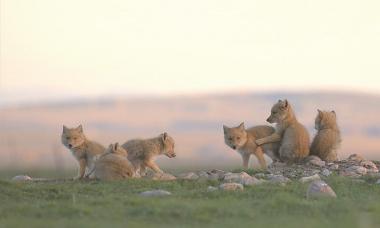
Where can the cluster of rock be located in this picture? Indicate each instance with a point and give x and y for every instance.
(309, 171)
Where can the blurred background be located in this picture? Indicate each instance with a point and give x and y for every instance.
(132, 69)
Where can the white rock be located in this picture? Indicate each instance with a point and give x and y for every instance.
(21, 178)
(242, 178)
(278, 179)
(326, 172)
(378, 181)
(211, 188)
(157, 192)
(317, 162)
(370, 166)
(163, 177)
(334, 167)
(360, 170)
(231, 187)
(217, 172)
(319, 189)
(355, 157)
(188, 176)
(310, 178)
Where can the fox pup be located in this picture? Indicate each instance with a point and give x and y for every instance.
(141, 152)
(112, 164)
(293, 136)
(83, 149)
(242, 140)
(327, 140)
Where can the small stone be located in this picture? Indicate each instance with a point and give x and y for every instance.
(370, 166)
(278, 179)
(260, 175)
(154, 193)
(317, 162)
(319, 189)
(310, 178)
(360, 170)
(378, 181)
(211, 189)
(188, 176)
(355, 157)
(231, 187)
(163, 177)
(21, 178)
(326, 172)
(217, 172)
(334, 167)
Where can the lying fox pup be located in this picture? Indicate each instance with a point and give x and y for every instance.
(141, 152)
(242, 140)
(327, 140)
(83, 149)
(112, 164)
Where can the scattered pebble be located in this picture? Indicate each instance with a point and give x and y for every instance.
(188, 176)
(378, 181)
(157, 192)
(360, 170)
(326, 172)
(163, 177)
(21, 178)
(370, 166)
(211, 188)
(320, 189)
(231, 187)
(278, 179)
(355, 157)
(310, 178)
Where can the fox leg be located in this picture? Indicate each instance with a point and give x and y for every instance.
(82, 169)
(260, 156)
(142, 169)
(245, 157)
(154, 166)
(275, 137)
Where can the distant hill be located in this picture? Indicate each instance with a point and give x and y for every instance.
(30, 134)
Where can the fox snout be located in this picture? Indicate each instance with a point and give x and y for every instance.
(70, 146)
(171, 155)
(233, 147)
(269, 120)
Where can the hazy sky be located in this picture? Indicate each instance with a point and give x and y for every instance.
(56, 49)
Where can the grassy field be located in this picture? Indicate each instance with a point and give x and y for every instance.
(117, 204)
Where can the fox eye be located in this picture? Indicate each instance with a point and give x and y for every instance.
(230, 138)
(75, 138)
(238, 138)
(67, 138)
(274, 112)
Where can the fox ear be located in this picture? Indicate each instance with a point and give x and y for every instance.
(164, 136)
(115, 147)
(333, 112)
(65, 129)
(80, 128)
(241, 126)
(319, 111)
(286, 103)
(225, 129)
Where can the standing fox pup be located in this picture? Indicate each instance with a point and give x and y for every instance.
(141, 152)
(242, 140)
(293, 135)
(83, 149)
(112, 164)
(327, 140)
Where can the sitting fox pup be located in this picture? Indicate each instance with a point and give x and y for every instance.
(83, 149)
(327, 140)
(242, 140)
(112, 164)
(141, 152)
(293, 136)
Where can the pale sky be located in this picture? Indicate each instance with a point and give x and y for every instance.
(71, 48)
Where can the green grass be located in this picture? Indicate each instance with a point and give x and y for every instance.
(117, 204)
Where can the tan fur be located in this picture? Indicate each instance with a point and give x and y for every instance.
(293, 135)
(113, 164)
(327, 140)
(243, 140)
(83, 149)
(141, 152)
